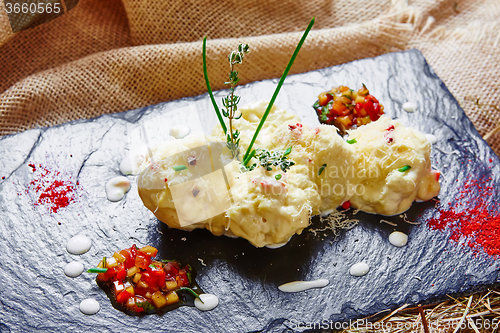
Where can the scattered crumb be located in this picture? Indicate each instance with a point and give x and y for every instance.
(183, 239)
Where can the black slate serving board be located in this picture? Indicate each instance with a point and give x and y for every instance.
(35, 295)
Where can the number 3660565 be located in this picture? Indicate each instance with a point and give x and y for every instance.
(33, 8)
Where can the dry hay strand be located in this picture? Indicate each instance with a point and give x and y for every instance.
(476, 313)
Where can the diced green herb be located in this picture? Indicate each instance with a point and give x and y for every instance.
(146, 306)
(191, 291)
(321, 169)
(179, 167)
(268, 159)
(153, 266)
(189, 274)
(351, 141)
(278, 176)
(168, 260)
(405, 168)
(97, 270)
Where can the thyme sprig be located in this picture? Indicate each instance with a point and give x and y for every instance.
(231, 101)
(269, 159)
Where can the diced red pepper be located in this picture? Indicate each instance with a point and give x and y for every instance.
(129, 258)
(371, 98)
(121, 272)
(346, 205)
(149, 279)
(182, 280)
(123, 296)
(171, 269)
(142, 260)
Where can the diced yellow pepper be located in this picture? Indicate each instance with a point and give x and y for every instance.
(172, 297)
(118, 257)
(111, 262)
(171, 285)
(158, 299)
(142, 284)
(133, 270)
(149, 250)
(130, 290)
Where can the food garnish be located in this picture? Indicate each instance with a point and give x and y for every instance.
(179, 167)
(268, 159)
(405, 168)
(345, 108)
(139, 284)
(230, 102)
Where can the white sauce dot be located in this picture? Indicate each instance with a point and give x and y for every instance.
(209, 302)
(133, 160)
(179, 131)
(73, 269)
(78, 244)
(359, 269)
(409, 107)
(296, 286)
(89, 306)
(116, 188)
(431, 138)
(399, 239)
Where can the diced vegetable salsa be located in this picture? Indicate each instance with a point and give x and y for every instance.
(140, 283)
(346, 108)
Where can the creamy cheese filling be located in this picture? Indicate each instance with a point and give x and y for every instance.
(194, 183)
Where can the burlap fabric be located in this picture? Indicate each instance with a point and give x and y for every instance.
(110, 56)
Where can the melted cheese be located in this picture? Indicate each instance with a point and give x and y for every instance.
(215, 194)
(383, 147)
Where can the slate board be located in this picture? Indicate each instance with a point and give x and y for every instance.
(37, 296)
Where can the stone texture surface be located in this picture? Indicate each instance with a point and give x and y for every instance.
(37, 296)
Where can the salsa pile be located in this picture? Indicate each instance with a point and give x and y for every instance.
(345, 108)
(140, 283)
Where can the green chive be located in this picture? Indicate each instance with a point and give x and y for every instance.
(179, 167)
(287, 152)
(104, 262)
(278, 176)
(153, 266)
(321, 169)
(168, 260)
(191, 291)
(249, 157)
(351, 141)
(285, 73)
(224, 128)
(405, 168)
(97, 270)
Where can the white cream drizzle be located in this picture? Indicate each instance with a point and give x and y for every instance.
(399, 239)
(73, 269)
(89, 306)
(359, 269)
(78, 244)
(210, 301)
(296, 286)
(117, 187)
